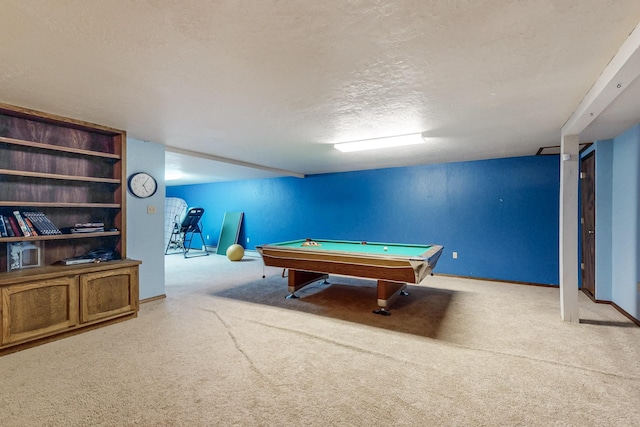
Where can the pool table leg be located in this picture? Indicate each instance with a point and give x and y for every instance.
(299, 279)
(387, 293)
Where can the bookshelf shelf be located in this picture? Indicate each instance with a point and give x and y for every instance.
(62, 149)
(59, 237)
(58, 176)
(12, 204)
(73, 173)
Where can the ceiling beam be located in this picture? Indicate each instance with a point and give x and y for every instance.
(232, 161)
(623, 69)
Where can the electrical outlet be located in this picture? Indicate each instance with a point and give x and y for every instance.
(455, 255)
(207, 237)
(247, 240)
(151, 210)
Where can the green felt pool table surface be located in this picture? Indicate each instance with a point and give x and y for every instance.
(373, 248)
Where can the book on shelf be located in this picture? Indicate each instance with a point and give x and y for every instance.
(7, 225)
(41, 223)
(88, 227)
(30, 226)
(24, 228)
(23, 223)
(3, 227)
(14, 226)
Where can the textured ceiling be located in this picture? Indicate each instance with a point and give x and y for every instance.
(276, 83)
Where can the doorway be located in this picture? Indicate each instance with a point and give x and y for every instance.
(588, 222)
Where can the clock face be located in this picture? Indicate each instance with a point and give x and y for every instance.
(142, 185)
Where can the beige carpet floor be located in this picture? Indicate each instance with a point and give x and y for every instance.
(225, 348)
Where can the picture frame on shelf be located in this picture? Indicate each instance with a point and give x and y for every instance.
(21, 255)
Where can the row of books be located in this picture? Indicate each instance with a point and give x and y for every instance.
(26, 224)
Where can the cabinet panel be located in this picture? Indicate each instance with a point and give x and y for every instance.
(32, 310)
(108, 293)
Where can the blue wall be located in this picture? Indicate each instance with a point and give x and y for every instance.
(501, 215)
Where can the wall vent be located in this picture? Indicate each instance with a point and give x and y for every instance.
(555, 149)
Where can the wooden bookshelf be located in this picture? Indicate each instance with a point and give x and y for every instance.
(73, 172)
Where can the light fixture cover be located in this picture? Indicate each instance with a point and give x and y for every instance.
(373, 144)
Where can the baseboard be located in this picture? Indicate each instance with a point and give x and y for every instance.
(545, 285)
(247, 252)
(157, 297)
(624, 313)
(616, 306)
(592, 297)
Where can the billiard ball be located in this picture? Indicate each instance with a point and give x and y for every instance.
(385, 248)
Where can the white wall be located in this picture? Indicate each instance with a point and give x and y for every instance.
(145, 231)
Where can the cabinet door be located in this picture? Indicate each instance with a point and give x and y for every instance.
(108, 293)
(32, 310)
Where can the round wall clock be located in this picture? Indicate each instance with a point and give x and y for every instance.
(142, 185)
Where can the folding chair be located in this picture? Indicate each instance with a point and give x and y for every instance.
(182, 234)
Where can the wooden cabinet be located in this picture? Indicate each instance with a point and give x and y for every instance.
(108, 293)
(35, 309)
(74, 173)
(45, 304)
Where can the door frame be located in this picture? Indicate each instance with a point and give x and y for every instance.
(588, 223)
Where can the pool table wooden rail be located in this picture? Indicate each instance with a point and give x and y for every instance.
(349, 265)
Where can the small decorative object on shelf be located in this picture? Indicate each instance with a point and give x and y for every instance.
(24, 255)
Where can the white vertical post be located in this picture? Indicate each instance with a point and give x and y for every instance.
(569, 228)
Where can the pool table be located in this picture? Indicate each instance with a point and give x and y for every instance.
(392, 265)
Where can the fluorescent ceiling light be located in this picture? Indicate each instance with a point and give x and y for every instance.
(373, 144)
